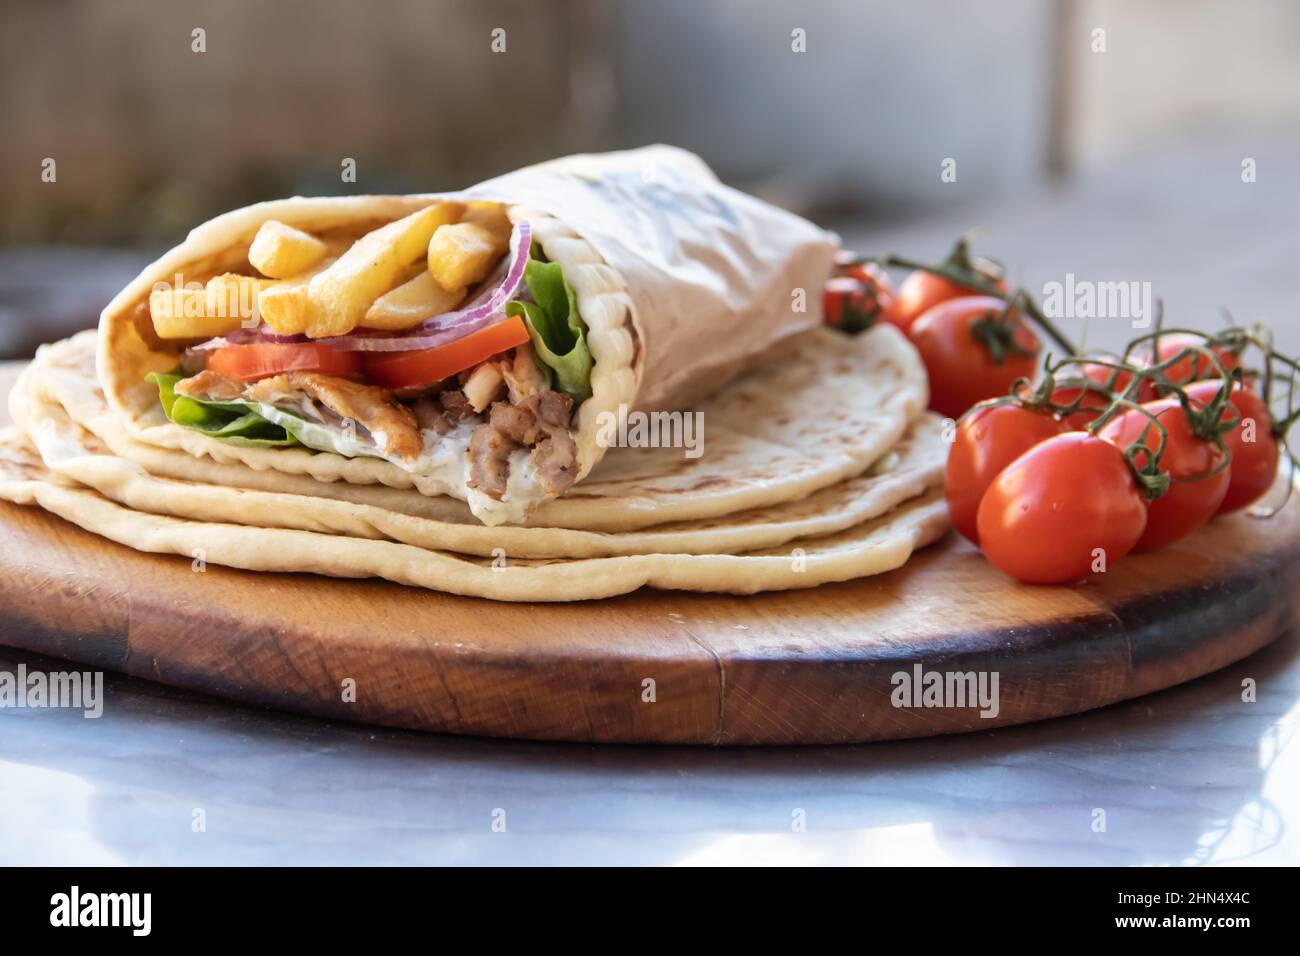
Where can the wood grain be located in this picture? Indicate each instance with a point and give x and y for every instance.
(797, 667)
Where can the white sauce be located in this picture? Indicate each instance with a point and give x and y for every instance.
(523, 493)
(441, 469)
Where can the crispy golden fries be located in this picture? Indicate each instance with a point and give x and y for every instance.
(490, 215)
(338, 297)
(281, 251)
(464, 253)
(411, 303)
(283, 304)
(227, 302)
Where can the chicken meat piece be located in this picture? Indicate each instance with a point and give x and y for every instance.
(390, 423)
(210, 385)
(489, 460)
(540, 422)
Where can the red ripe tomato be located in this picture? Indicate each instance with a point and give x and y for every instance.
(987, 440)
(960, 341)
(871, 275)
(1094, 403)
(1251, 443)
(857, 299)
(252, 362)
(1061, 509)
(922, 291)
(1192, 367)
(1192, 498)
(1096, 400)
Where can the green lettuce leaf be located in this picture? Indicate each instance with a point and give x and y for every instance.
(255, 423)
(558, 334)
(230, 421)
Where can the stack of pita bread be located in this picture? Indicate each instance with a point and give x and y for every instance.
(816, 461)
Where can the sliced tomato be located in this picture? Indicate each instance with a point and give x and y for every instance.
(426, 366)
(252, 362)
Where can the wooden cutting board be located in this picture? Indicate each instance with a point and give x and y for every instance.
(812, 666)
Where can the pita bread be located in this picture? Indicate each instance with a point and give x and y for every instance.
(57, 410)
(821, 410)
(876, 546)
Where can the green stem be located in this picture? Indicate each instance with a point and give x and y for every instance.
(968, 280)
(1031, 307)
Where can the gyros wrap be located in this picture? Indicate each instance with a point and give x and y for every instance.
(488, 345)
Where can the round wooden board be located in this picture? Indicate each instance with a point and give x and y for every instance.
(814, 666)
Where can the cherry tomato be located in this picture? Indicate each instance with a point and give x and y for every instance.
(426, 366)
(1094, 403)
(1190, 368)
(858, 299)
(868, 273)
(1046, 515)
(1097, 400)
(922, 291)
(252, 362)
(952, 339)
(987, 440)
(1192, 498)
(1254, 462)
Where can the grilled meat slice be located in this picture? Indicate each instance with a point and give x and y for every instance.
(489, 460)
(210, 385)
(390, 423)
(540, 421)
(442, 413)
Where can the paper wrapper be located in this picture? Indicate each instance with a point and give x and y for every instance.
(715, 276)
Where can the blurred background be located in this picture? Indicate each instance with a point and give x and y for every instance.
(1104, 138)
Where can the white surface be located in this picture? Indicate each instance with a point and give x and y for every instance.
(1191, 775)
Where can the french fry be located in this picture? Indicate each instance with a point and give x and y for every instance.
(283, 304)
(411, 303)
(464, 253)
(181, 314)
(235, 295)
(338, 297)
(281, 251)
(490, 215)
(203, 311)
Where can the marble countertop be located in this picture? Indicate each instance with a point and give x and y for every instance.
(1189, 776)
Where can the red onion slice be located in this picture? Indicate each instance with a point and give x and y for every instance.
(262, 335)
(485, 310)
